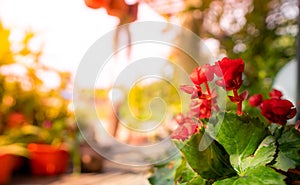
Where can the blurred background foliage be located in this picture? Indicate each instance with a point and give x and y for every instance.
(30, 109)
(261, 32)
(151, 102)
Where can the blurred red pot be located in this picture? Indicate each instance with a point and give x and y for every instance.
(7, 162)
(47, 159)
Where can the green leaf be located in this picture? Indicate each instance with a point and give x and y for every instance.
(165, 173)
(289, 145)
(260, 175)
(262, 156)
(185, 175)
(211, 163)
(197, 180)
(239, 135)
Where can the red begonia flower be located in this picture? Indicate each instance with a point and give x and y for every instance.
(243, 96)
(201, 108)
(180, 119)
(214, 103)
(255, 100)
(194, 91)
(184, 131)
(277, 110)
(202, 74)
(230, 71)
(275, 94)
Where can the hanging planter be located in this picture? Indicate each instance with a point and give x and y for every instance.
(126, 13)
(7, 161)
(95, 4)
(119, 8)
(47, 159)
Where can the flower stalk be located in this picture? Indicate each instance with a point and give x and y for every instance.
(239, 103)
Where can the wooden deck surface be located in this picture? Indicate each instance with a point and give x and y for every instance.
(111, 178)
(112, 174)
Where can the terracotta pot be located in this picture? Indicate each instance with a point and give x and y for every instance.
(47, 159)
(7, 162)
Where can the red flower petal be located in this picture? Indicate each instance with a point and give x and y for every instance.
(179, 118)
(244, 95)
(234, 99)
(194, 91)
(202, 74)
(277, 110)
(292, 113)
(276, 94)
(255, 100)
(188, 89)
(221, 83)
(184, 131)
(231, 72)
(282, 107)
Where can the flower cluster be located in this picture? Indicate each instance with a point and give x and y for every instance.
(204, 100)
(232, 147)
(187, 127)
(230, 78)
(275, 109)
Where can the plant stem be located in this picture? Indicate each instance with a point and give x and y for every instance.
(239, 104)
(207, 88)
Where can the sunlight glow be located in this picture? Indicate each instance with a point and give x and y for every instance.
(66, 29)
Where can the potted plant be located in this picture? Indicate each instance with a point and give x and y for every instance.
(9, 159)
(30, 110)
(48, 147)
(225, 147)
(49, 153)
(40, 117)
(10, 154)
(47, 159)
(5, 173)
